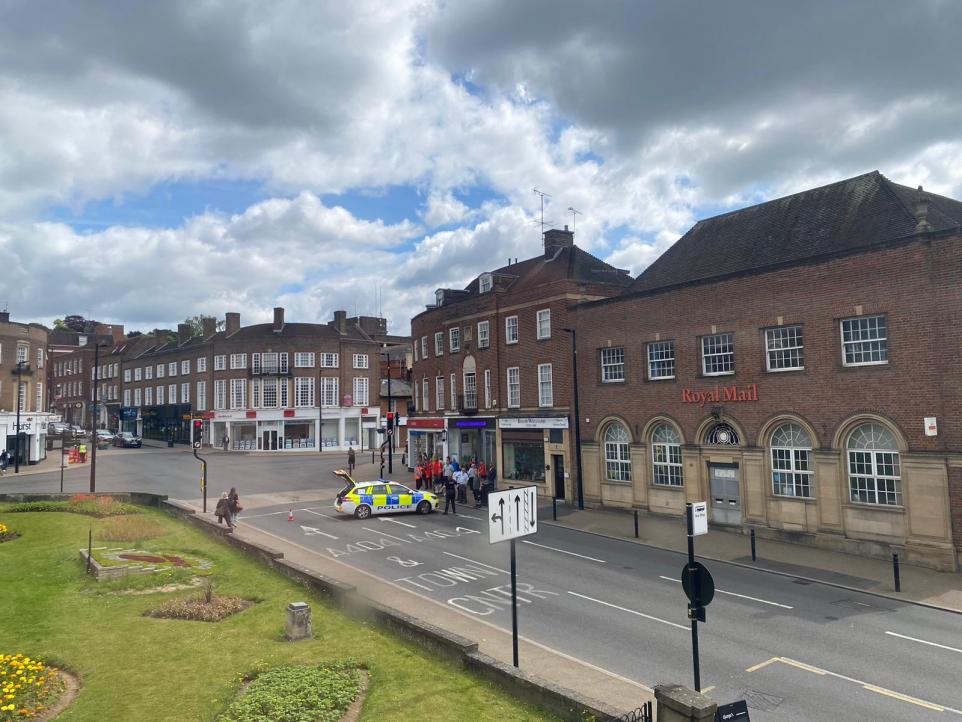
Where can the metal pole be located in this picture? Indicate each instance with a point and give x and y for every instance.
(895, 571)
(577, 414)
(753, 545)
(203, 477)
(554, 508)
(93, 424)
(636, 523)
(390, 431)
(16, 456)
(514, 605)
(90, 546)
(61, 464)
(696, 603)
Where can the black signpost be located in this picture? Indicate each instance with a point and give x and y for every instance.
(700, 589)
(203, 472)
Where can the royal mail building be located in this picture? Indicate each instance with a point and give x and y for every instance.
(796, 365)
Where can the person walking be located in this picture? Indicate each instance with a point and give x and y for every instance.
(350, 459)
(450, 489)
(490, 486)
(461, 478)
(233, 506)
(226, 443)
(222, 511)
(418, 476)
(4, 461)
(438, 474)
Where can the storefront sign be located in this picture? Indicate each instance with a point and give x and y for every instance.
(546, 422)
(473, 423)
(931, 426)
(288, 413)
(426, 423)
(720, 394)
(251, 414)
(128, 413)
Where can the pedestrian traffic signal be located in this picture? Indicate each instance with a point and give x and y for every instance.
(390, 419)
(198, 426)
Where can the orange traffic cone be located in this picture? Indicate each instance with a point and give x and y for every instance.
(290, 515)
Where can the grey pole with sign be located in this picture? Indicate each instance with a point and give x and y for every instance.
(696, 580)
(203, 471)
(514, 514)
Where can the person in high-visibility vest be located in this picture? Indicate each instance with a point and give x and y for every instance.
(83, 453)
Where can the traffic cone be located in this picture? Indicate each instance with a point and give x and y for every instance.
(290, 515)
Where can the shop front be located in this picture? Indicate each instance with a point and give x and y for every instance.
(535, 450)
(291, 429)
(472, 438)
(426, 437)
(128, 419)
(170, 422)
(33, 436)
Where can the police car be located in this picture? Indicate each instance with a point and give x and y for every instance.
(363, 498)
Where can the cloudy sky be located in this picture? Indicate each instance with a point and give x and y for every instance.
(164, 159)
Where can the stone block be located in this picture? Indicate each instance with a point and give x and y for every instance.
(297, 625)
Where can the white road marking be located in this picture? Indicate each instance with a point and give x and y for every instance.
(458, 556)
(468, 516)
(395, 521)
(312, 531)
(384, 533)
(733, 594)
(630, 611)
(922, 641)
(555, 549)
(255, 516)
(316, 513)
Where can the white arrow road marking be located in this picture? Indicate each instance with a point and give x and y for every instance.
(630, 611)
(554, 549)
(395, 521)
(733, 594)
(311, 531)
(922, 641)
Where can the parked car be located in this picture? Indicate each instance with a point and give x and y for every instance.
(58, 428)
(128, 440)
(105, 435)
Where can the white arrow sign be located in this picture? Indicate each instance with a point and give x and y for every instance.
(311, 531)
(512, 514)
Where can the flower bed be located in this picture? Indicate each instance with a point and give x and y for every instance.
(27, 687)
(205, 608)
(99, 506)
(290, 694)
(6, 533)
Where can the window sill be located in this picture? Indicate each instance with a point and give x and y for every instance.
(786, 497)
(667, 487)
(510, 343)
(783, 371)
(888, 508)
(656, 379)
(614, 482)
(875, 364)
(613, 381)
(716, 375)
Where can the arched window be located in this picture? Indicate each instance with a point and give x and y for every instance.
(791, 461)
(874, 472)
(666, 456)
(617, 455)
(722, 434)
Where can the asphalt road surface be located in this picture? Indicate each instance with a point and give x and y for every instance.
(795, 650)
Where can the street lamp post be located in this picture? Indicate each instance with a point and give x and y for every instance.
(16, 446)
(577, 413)
(389, 429)
(93, 423)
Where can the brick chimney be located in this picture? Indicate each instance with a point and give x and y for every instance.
(4, 316)
(555, 240)
(922, 212)
(209, 326)
(117, 332)
(278, 319)
(183, 333)
(340, 321)
(231, 323)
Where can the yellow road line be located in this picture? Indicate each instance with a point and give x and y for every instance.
(801, 665)
(763, 664)
(904, 697)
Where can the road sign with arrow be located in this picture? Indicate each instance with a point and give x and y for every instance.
(512, 514)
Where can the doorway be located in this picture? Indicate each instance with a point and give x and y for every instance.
(558, 464)
(726, 506)
(270, 440)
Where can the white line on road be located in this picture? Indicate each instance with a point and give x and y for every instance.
(555, 549)
(384, 533)
(630, 611)
(458, 556)
(395, 521)
(468, 516)
(312, 531)
(317, 513)
(922, 641)
(255, 516)
(733, 594)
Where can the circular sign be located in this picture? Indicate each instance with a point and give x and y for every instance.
(702, 580)
(78, 404)
(196, 444)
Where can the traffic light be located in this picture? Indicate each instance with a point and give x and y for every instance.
(197, 430)
(198, 426)
(390, 419)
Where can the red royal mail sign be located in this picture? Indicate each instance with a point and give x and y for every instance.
(720, 394)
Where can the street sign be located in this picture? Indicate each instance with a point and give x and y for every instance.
(703, 583)
(196, 444)
(699, 517)
(512, 514)
(734, 712)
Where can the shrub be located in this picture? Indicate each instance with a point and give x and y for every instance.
(290, 694)
(96, 506)
(207, 607)
(129, 529)
(27, 687)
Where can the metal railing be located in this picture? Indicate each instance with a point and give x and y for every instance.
(642, 714)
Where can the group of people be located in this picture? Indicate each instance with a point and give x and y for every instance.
(456, 479)
(228, 507)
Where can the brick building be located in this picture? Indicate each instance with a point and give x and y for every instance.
(492, 364)
(796, 364)
(72, 356)
(23, 361)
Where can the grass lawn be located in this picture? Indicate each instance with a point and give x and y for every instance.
(135, 668)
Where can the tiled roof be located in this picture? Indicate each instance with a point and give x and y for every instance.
(840, 218)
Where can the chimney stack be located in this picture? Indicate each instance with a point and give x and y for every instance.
(231, 323)
(4, 316)
(209, 326)
(554, 240)
(183, 334)
(922, 212)
(278, 319)
(340, 321)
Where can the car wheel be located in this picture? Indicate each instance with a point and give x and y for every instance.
(362, 512)
(424, 507)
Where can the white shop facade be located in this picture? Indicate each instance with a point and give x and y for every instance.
(33, 435)
(298, 429)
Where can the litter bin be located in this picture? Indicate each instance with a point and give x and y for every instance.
(170, 443)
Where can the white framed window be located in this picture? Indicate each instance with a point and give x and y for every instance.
(201, 364)
(256, 394)
(544, 323)
(220, 362)
(361, 397)
(149, 373)
(439, 393)
(417, 398)
(238, 360)
(470, 388)
(791, 451)
(666, 456)
(425, 395)
(22, 396)
(126, 397)
(38, 396)
(172, 368)
(303, 360)
(874, 469)
(220, 394)
(282, 386)
(438, 343)
(424, 347)
(172, 394)
(23, 353)
(201, 395)
(416, 352)
(238, 393)
(329, 391)
(149, 396)
(487, 388)
(717, 354)
(161, 371)
(484, 334)
(864, 341)
(545, 386)
(137, 397)
(784, 348)
(454, 339)
(126, 376)
(613, 364)
(185, 367)
(454, 391)
(160, 395)
(137, 374)
(485, 283)
(511, 329)
(617, 453)
(329, 360)
(661, 360)
(303, 391)
(269, 394)
(185, 393)
(514, 387)
(360, 361)
(284, 361)
(40, 358)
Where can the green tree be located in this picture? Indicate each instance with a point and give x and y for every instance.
(196, 324)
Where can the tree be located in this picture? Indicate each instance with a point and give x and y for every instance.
(196, 324)
(75, 323)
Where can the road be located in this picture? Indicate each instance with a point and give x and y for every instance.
(794, 649)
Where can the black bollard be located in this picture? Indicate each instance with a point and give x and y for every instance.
(753, 545)
(895, 571)
(636, 523)
(554, 508)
